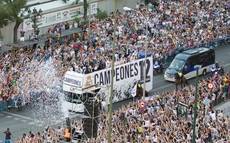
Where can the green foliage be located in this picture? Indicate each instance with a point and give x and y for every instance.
(14, 8)
(77, 1)
(146, 2)
(101, 14)
(84, 22)
(3, 17)
(77, 19)
(0, 35)
(11, 11)
(65, 1)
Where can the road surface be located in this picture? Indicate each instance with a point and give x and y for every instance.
(225, 107)
(25, 121)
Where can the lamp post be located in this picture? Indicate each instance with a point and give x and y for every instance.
(195, 106)
(111, 86)
(146, 46)
(89, 22)
(93, 118)
(34, 15)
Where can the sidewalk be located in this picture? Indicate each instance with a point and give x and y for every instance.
(225, 106)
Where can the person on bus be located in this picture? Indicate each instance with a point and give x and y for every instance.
(67, 134)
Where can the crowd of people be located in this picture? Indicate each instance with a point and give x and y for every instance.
(157, 119)
(170, 25)
(51, 134)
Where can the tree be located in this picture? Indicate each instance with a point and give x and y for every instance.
(85, 7)
(101, 14)
(13, 10)
(34, 18)
(146, 2)
(3, 18)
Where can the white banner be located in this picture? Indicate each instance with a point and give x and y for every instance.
(54, 18)
(73, 82)
(126, 76)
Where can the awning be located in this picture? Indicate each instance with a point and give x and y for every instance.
(91, 89)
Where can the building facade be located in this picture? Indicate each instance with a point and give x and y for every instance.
(56, 11)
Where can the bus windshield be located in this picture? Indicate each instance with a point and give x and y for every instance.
(177, 64)
(71, 97)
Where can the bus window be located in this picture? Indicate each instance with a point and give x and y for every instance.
(207, 59)
(189, 66)
(70, 97)
(191, 62)
(177, 64)
(186, 68)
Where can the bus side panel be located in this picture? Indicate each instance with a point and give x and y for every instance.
(206, 60)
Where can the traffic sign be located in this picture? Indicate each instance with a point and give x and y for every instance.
(141, 104)
(210, 85)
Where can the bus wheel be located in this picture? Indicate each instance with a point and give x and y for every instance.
(204, 72)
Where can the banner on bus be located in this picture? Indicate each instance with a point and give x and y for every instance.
(125, 78)
(73, 82)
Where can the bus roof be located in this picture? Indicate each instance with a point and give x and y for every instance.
(182, 56)
(186, 54)
(196, 51)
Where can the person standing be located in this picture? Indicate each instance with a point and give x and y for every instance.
(7, 136)
(177, 80)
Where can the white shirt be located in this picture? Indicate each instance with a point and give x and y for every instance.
(213, 116)
(154, 139)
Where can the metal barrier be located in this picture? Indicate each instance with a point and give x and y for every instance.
(3, 106)
(11, 103)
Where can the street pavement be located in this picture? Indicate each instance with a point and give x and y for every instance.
(225, 107)
(17, 123)
(24, 121)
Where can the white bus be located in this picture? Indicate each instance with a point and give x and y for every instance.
(186, 61)
(73, 103)
(75, 93)
(73, 82)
